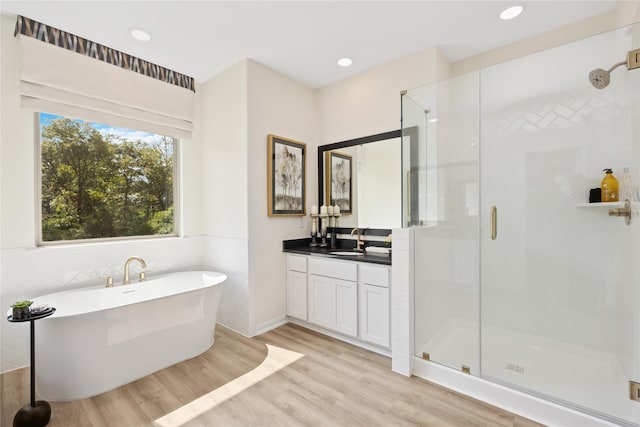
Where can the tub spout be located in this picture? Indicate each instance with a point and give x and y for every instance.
(126, 280)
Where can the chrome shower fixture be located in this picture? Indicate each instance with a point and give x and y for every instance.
(600, 78)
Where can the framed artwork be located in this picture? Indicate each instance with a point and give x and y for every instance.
(286, 180)
(338, 181)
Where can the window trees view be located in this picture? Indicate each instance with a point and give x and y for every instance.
(100, 181)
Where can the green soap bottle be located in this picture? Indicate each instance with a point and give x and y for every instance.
(609, 187)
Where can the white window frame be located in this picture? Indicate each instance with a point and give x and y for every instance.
(177, 199)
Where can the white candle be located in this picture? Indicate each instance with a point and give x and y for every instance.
(314, 210)
(336, 210)
(330, 210)
(323, 210)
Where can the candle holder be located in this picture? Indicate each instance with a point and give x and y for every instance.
(314, 230)
(333, 224)
(332, 240)
(323, 230)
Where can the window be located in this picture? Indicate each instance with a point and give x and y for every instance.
(99, 181)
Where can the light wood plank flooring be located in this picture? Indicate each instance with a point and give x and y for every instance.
(334, 384)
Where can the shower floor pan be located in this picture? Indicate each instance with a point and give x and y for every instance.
(582, 376)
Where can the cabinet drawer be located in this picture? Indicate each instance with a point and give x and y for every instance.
(336, 269)
(374, 275)
(297, 263)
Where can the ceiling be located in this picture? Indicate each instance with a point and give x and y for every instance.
(301, 39)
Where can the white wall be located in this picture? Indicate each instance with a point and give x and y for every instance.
(280, 106)
(17, 150)
(236, 110)
(369, 103)
(625, 13)
(221, 128)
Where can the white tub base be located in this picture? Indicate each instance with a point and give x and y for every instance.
(125, 333)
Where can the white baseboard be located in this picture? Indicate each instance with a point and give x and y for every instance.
(280, 321)
(270, 325)
(234, 330)
(261, 328)
(514, 401)
(353, 341)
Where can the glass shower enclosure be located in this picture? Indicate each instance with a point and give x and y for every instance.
(518, 279)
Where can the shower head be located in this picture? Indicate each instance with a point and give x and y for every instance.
(600, 78)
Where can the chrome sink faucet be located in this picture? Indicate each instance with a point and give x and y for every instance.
(126, 280)
(359, 242)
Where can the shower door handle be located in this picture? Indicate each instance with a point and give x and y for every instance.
(494, 223)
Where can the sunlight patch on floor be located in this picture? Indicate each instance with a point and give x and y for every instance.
(277, 359)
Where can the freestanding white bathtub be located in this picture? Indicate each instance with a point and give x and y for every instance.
(101, 338)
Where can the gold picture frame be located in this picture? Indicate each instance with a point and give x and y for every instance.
(339, 182)
(286, 176)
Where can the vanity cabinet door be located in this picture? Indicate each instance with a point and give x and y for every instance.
(346, 307)
(297, 294)
(374, 321)
(321, 300)
(333, 304)
(374, 314)
(297, 286)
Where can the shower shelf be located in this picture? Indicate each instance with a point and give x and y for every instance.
(611, 205)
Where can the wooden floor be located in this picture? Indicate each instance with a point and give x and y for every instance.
(334, 384)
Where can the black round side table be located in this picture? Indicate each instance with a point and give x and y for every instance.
(36, 414)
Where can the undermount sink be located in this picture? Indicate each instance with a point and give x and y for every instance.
(347, 253)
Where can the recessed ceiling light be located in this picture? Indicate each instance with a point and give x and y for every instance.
(511, 12)
(140, 34)
(434, 120)
(345, 62)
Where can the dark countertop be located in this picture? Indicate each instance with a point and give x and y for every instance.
(302, 247)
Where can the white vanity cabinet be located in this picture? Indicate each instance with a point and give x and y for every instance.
(374, 304)
(333, 295)
(348, 297)
(297, 286)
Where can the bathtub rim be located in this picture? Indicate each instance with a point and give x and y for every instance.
(60, 314)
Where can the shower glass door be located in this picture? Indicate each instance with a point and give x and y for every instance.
(441, 176)
(516, 276)
(559, 295)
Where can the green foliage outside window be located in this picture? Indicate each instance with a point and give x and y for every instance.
(97, 185)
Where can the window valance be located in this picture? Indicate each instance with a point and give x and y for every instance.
(75, 77)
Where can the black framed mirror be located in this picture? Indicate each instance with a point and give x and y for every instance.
(384, 170)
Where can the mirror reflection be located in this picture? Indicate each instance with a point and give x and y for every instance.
(363, 176)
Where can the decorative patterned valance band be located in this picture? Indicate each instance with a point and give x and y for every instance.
(51, 35)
